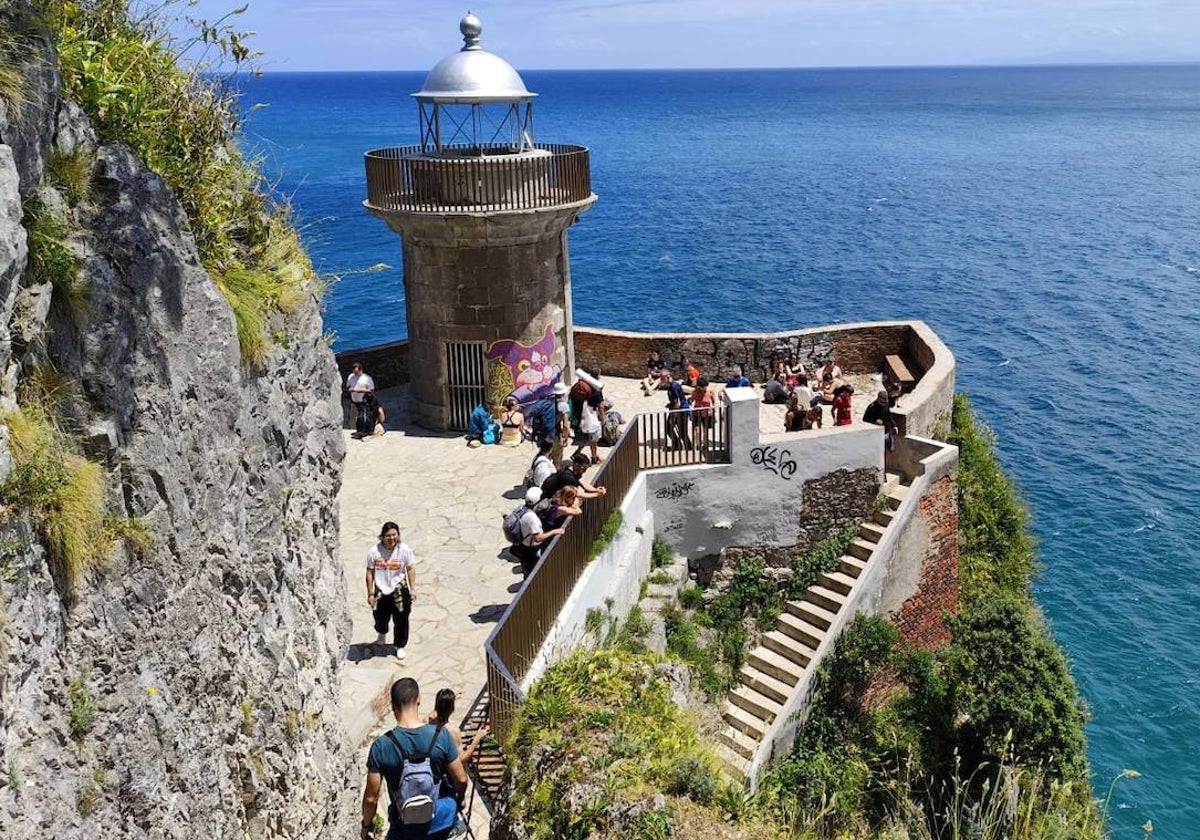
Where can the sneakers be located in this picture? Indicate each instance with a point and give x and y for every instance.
(401, 653)
(381, 639)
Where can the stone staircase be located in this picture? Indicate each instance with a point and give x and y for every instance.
(774, 668)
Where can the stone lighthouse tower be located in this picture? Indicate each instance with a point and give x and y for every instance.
(483, 213)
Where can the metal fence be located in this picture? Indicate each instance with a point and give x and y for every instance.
(473, 179)
(521, 631)
(679, 438)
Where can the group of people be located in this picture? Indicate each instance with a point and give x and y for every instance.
(368, 415)
(690, 401)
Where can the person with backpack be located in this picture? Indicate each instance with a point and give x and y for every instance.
(413, 760)
(548, 422)
(524, 531)
(542, 466)
(370, 418)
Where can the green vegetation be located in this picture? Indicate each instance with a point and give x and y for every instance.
(14, 52)
(51, 259)
(594, 620)
(661, 553)
(62, 491)
(126, 73)
(608, 533)
(82, 706)
(133, 532)
(71, 175)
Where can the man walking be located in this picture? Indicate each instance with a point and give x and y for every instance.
(391, 586)
(359, 384)
(398, 758)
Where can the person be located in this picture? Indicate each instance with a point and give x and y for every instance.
(702, 413)
(879, 412)
(591, 423)
(829, 387)
(677, 421)
(359, 384)
(391, 586)
(370, 419)
(797, 412)
(812, 417)
(795, 370)
(807, 397)
(554, 511)
(542, 466)
(571, 475)
(580, 393)
(842, 405)
(482, 427)
(534, 537)
(775, 392)
(830, 367)
(654, 369)
(563, 420)
(443, 708)
(411, 739)
(512, 423)
(693, 373)
(737, 379)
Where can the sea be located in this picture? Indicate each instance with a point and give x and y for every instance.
(1045, 221)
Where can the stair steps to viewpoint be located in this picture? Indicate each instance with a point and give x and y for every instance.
(774, 668)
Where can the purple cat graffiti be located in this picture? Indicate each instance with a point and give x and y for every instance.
(526, 371)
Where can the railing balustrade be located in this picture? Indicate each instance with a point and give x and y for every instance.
(684, 437)
(474, 179)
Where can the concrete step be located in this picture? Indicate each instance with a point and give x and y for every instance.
(812, 613)
(870, 531)
(837, 581)
(884, 517)
(762, 682)
(739, 743)
(826, 598)
(898, 494)
(775, 666)
(852, 565)
(800, 630)
(787, 647)
(860, 548)
(736, 767)
(744, 721)
(890, 481)
(759, 705)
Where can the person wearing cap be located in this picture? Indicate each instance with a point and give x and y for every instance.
(533, 537)
(562, 414)
(880, 413)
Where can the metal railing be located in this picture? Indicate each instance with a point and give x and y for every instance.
(474, 179)
(518, 636)
(679, 438)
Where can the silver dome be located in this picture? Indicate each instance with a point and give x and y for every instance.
(473, 74)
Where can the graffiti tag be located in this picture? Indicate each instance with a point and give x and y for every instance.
(774, 460)
(674, 491)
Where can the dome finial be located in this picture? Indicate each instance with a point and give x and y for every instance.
(471, 28)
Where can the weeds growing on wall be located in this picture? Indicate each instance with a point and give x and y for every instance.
(51, 259)
(125, 70)
(14, 53)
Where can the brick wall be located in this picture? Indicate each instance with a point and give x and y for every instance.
(921, 618)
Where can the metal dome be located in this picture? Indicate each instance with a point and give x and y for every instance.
(473, 75)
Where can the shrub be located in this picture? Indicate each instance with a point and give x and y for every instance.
(823, 557)
(607, 534)
(81, 706)
(661, 553)
(71, 175)
(691, 597)
(126, 73)
(51, 259)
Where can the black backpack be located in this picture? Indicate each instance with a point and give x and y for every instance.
(364, 423)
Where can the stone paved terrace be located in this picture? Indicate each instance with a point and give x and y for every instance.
(448, 500)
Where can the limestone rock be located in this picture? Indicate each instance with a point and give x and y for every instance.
(14, 250)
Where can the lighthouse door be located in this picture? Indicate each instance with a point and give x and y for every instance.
(466, 381)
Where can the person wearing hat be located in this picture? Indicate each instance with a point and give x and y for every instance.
(562, 413)
(533, 538)
(880, 413)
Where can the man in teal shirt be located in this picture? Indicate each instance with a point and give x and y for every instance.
(385, 762)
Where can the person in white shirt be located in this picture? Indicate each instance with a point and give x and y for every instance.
(391, 586)
(359, 384)
(533, 536)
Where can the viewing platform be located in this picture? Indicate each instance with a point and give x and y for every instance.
(477, 179)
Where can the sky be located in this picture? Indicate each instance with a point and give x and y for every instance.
(296, 35)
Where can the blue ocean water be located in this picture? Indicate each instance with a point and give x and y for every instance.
(1045, 221)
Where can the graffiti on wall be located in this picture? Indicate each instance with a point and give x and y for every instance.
(526, 371)
(675, 490)
(812, 350)
(774, 460)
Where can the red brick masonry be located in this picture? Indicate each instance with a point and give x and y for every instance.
(922, 618)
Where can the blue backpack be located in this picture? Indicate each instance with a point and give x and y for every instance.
(544, 419)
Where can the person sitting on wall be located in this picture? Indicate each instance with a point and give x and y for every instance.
(737, 379)
(775, 391)
(842, 405)
(512, 423)
(654, 369)
(879, 412)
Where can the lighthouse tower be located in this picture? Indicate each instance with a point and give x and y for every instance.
(482, 211)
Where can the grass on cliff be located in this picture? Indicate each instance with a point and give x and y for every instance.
(125, 70)
(51, 259)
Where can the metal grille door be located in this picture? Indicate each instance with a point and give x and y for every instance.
(466, 382)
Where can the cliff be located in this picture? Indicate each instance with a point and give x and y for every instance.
(187, 688)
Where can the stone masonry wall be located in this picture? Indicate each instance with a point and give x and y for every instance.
(922, 618)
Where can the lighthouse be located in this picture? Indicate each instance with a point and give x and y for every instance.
(482, 210)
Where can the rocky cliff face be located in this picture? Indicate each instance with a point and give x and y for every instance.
(211, 659)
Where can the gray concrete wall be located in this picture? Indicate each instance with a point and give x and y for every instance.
(929, 404)
(756, 498)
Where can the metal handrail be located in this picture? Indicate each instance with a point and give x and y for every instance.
(477, 179)
(679, 438)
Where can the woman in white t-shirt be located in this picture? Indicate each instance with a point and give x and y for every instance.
(391, 586)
